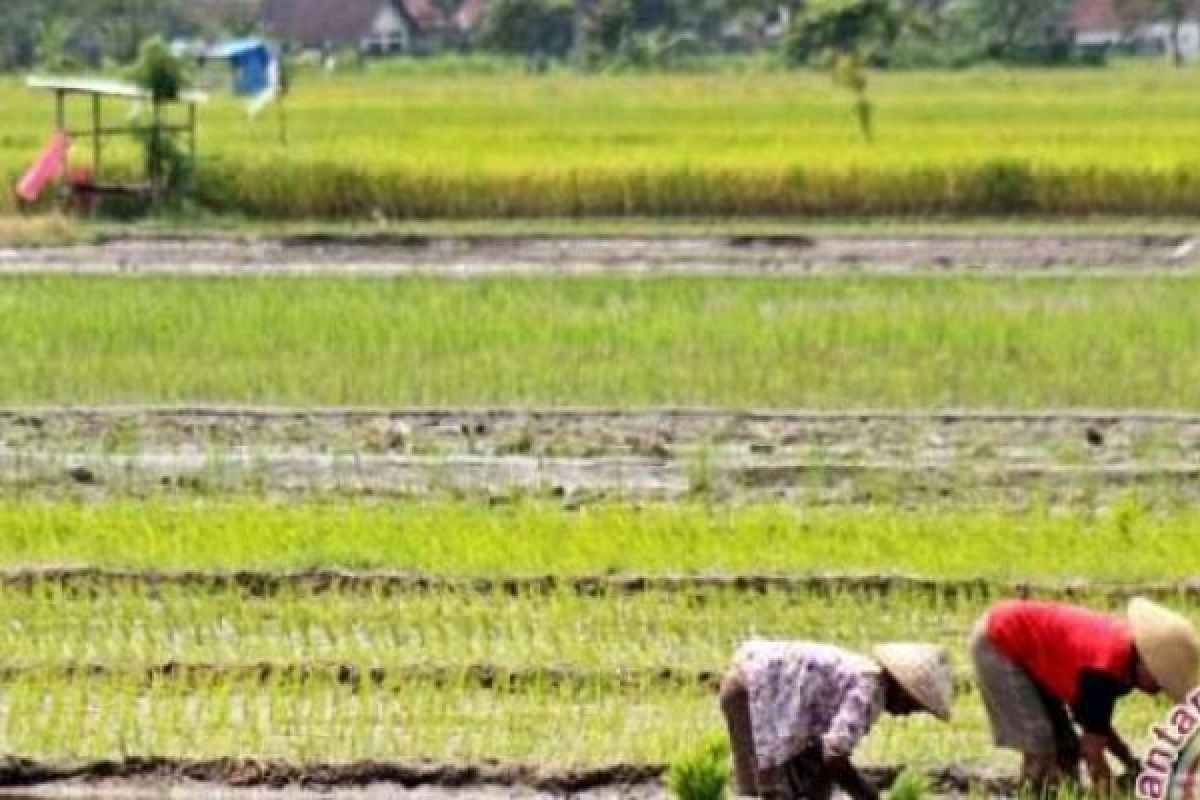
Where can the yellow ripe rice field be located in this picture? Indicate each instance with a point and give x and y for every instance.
(398, 145)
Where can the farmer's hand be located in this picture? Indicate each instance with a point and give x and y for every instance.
(1127, 781)
(842, 772)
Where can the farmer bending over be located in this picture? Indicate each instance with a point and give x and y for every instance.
(1041, 664)
(797, 710)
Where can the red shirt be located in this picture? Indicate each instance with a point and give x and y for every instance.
(1056, 644)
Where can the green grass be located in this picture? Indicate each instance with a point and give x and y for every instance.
(533, 539)
(823, 343)
(977, 141)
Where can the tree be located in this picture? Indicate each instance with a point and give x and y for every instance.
(54, 34)
(1008, 27)
(127, 23)
(527, 27)
(95, 28)
(655, 14)
(16, 38)
(843, 36)
(598, 27)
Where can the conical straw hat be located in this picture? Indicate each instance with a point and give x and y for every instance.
(922, 670)
(1168, 645)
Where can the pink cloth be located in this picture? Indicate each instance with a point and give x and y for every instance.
(802, 690)
(49, 166)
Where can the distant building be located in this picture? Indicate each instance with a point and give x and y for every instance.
(467, 18)
(1097, 23)
(370, 26)
(1160, 38)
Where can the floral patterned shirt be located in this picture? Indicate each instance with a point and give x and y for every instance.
(804, 690)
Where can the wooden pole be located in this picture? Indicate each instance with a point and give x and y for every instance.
(60, 112)
(157, 182)
(192, 134)
(97, 124)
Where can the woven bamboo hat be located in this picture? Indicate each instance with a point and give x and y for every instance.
(1168, 645)
(922, 670)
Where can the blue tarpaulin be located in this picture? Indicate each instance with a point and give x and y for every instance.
(251, 61)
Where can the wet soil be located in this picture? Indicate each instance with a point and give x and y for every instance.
(941, 437)
(112, 778)
(584, 455)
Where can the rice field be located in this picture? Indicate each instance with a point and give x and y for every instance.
(267, 680)
(835, 343)
(537, 538)
(179, 624)
(387, 635)
(982, 141)
(215, 631)
(375, 669)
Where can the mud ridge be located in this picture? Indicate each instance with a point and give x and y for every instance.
(248, 773)
(254, 773)
(488, 677)
(491, 677)
(265, 583)
(577, 481)
(469, 256)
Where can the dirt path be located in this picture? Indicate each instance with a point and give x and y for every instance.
(470, 256)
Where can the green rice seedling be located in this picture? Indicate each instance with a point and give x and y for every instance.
(565, 725)
(536, 538)
(911, 784)
(702, 773)
(1052, 342)
(612, 713)
(702, 472)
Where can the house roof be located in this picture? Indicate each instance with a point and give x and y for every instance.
(1094, 15)
(423, 12)
(314, 22)
(469, 14)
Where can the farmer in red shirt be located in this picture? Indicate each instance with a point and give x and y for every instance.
(1043, 668)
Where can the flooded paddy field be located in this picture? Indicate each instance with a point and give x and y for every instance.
(580, 456)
